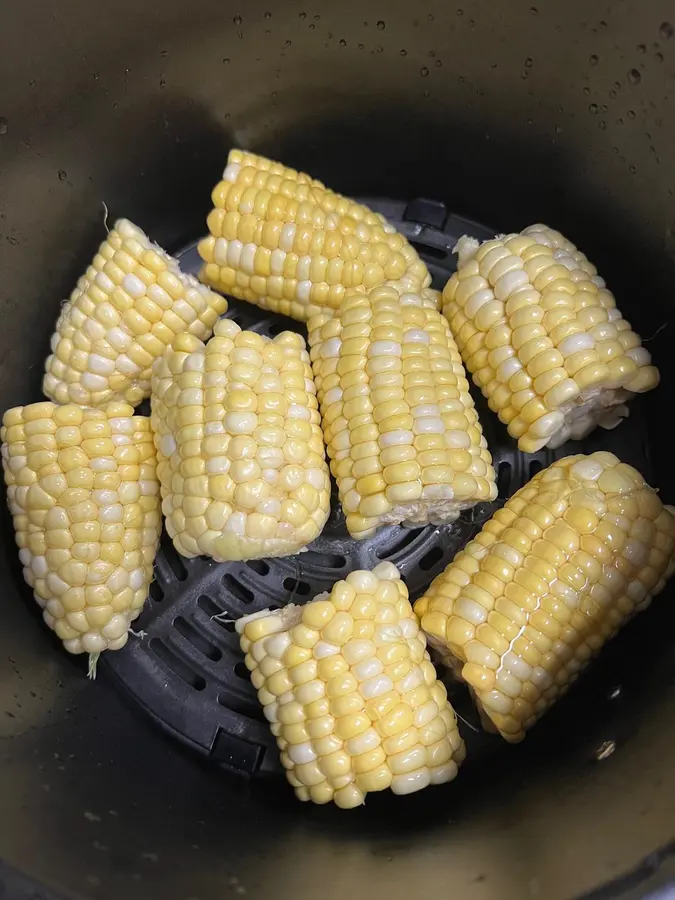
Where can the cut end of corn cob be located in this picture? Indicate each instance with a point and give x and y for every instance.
(402, 432)
(240, 451)
(350, 693)
(281, 240)
(82, 489)
(542, 337)
(126, 309)
(550, 578)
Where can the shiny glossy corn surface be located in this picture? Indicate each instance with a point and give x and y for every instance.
(278, 238)
(126, 309)
(542, 337)
(350, 693)
(549, 579)
(402, 432)
(83, 492)
(240, 451)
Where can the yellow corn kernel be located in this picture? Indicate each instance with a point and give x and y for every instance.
(239, 447)
(374, 728)
(592, 564)
(87, 543)
(102, 348)
(283, 241)
(561, 355)
(399, 422)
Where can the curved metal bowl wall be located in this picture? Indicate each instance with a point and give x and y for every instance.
(507, 113)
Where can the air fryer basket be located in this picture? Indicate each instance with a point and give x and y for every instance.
(505, 113)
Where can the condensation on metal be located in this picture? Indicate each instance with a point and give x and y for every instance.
(187, 672)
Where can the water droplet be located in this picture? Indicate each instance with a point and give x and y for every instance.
(665, 31)
(426, 94)
(642, 48)
(631, 169)
(593, 60)
(460, 12)
(658, 57)
(303, 15)
(289, 43)
(523, 74)
(424, 71)
(268, 15)
(432, 53)
(603, 108)
(602, 125)
(587, 91)
(312, 26)
(529, 62)
(226, 59)
(558, 129)
(431, 17)
(404, 52)
(615, 149)
(381, 26)
(530, 121)
(343, 42)
(630, 114)
(361, 46)
(317, 17)
(593, 109)
(237, 20)
(62, 174)
(605, 750)
(619, 121)
(3, 125)
(439, 63)
(534, 11)
(163, 52)
(612, 94)
(602, 24)
(634, 76)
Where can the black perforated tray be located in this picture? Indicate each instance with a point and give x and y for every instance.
(188, 673)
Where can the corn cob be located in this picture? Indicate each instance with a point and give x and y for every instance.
(281, 240)
(554, 574)
(82, 488)
(402, 433)
(350, 693)
(126, 309)
(542, 337)
(240, 452)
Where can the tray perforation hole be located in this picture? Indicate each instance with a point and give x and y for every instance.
(198, 640)
(176, 665)
(241, 671)
(245, 707)
(430, 558)
(407, 537)
(325, 560)
(504, 478)
(536, 465)
(259, 566)
(212, 610)
(237, 589)
(296, 586)
(174, 560)
(156, 591)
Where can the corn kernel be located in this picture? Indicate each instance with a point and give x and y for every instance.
(352, 730)
(577, 556)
